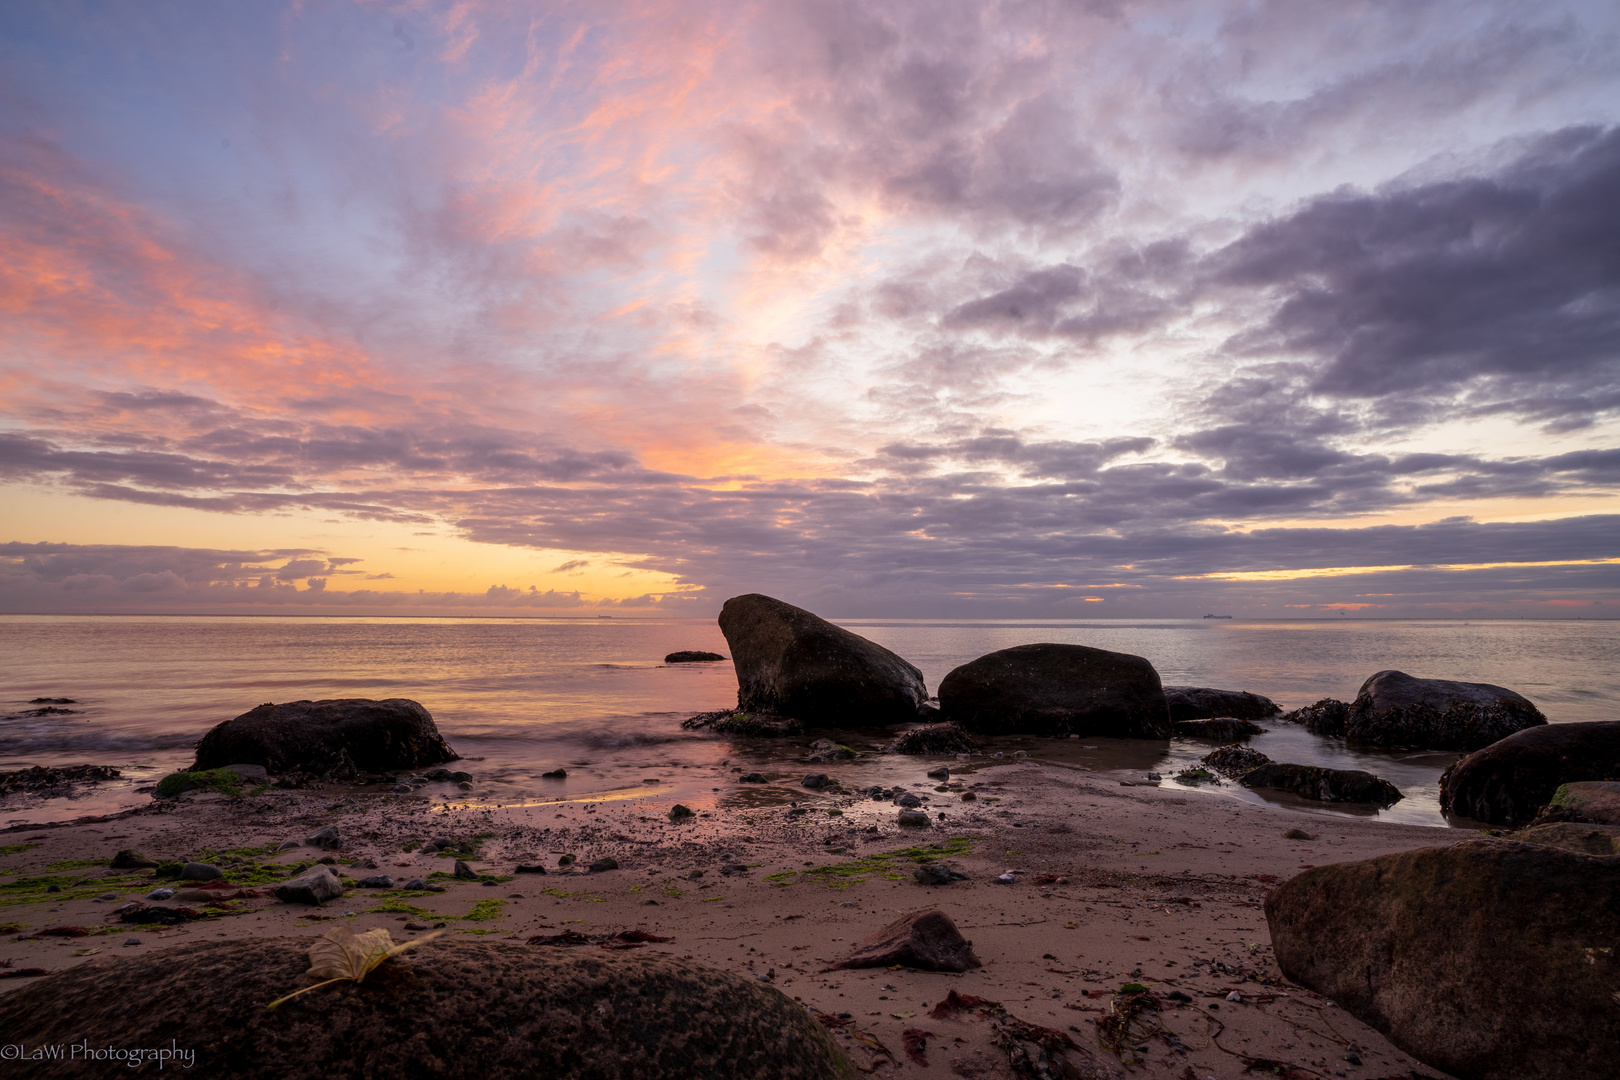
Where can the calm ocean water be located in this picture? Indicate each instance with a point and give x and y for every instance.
(525, 696)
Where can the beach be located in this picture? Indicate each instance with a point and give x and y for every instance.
(1115, 880)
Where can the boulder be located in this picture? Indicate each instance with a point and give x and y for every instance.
(1508, 781)
(315, 886)
(1050, 689)
(456, 1009)
(796, 664)
(944, 738)
(1596, 801)
(927, 940)
(337, 737)
(692, 656)
(1220, 728)
(1489, 959)
(1206, 703)
(1324, 785)
(1394, 709)
(1574, 835)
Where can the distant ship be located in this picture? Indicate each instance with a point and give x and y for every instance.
(1217, 616)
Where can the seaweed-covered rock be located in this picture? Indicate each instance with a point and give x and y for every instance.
(57, 780)
(928, 940)
(825, 750)
(457, 1009)
(1507, 782)
(1595, 801)
(1207, 703)
(797, 664)
(335, 737)
(692, 656)
(1235, 760)
(1574, 835)
(1221, 728)
(946, 738)
(1324, 785)
(1489, 959)
(1324, 717)
(760, 725)
(1056, 689)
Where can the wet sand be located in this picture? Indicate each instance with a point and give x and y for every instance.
(1156, 885)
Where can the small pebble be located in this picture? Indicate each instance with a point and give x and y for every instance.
(132, 941)
(1234, 996)
(160, 894)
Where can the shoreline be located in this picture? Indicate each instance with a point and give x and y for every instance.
(1115, 884)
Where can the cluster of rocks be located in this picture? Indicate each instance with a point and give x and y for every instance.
(1394, 709)
(53, 781)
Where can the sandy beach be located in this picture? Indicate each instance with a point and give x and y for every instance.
(1114, 882)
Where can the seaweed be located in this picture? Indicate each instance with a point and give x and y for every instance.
(840, 876)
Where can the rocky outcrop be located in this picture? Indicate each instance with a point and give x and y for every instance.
(1324, 785)
(1394, 709)
(456, 1009)
(336, 737)
(796, 664)
(944, 738)
(1051, 689)
(1206, 703)
(1234, 761)
(1220, 728)
(1324, 717)
(927, 940)
(1595, 801)
(692, 656)
(1489, 959)
(1507, 782)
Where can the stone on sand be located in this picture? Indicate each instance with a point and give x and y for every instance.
(333, 737)
(927, 940)
(315, 886)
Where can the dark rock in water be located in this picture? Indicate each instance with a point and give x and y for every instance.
(1394, 709)
(1325, 785)
(815, 781)
(130, 859)
(825, 750)
(198, 871)
(1221, 728)
(465, 872)
(48, 780)
(945, 738)
(1489, 959)
(692, 656)
(1206, 703)
(762, 725)
(937, 873)
(928, 940)
(315, 886)
(1507, 782)
(1574, 836)
(797, 664)
(337, 738)
(52, 701)
(752, 778)
(605, 863)
(1234, 761)
(678, 812)
(1595, 801)
(1325, 717)
(1049, 689)
(555, 774)
(481, 1010)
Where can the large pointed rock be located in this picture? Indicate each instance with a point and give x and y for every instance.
(453, 1009)
(796, 664)
(1489, 959)
(1051, 689)
(321, 737)
(928, 940)
(1508, 781)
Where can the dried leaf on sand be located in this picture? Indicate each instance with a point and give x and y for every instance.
(341, 955)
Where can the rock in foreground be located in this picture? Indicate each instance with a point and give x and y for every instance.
(1394, 709)
(1489, 959)
(1508, 781)
(1206, 703)
(797, 664)
(1051, 689)
(1324, 785)
(928, 940)
(460, 1010)
(335, 737)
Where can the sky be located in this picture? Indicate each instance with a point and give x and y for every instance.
(911, 309)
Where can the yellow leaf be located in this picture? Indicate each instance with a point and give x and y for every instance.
(341, 955)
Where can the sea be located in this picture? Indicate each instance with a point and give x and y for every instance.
(521, 697)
